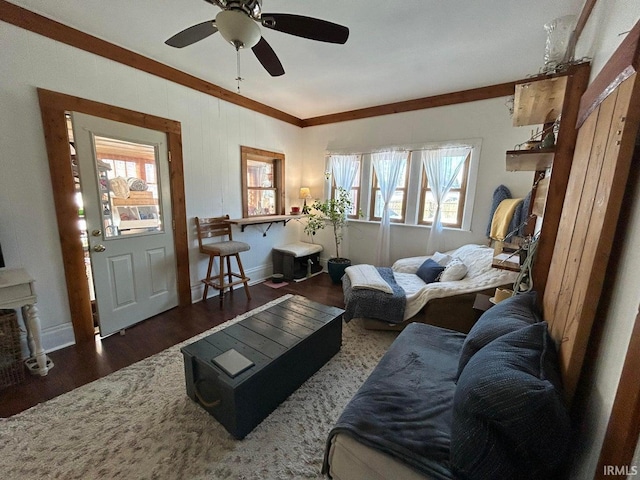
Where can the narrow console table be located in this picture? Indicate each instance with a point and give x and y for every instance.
(16, 291)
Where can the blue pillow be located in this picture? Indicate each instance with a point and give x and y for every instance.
(429, 271)
(509, 315)
(509, 419)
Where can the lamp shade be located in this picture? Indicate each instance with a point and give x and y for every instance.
(238, 29)
(305, 192)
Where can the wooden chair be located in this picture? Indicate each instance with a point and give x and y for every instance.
(224, 250)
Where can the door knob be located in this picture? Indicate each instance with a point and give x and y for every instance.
(96, 233)
(99, 248)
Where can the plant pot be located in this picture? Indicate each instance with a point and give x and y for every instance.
(336, 267)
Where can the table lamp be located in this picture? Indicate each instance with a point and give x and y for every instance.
(305, 193)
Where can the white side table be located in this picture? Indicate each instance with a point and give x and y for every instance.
(16, 291)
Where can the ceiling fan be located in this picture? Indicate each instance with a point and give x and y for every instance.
(237, 23)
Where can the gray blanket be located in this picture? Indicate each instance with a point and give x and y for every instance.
(404, 408)
(362, 303)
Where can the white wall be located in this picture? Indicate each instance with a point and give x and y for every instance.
(609, 19)
(212, 130)
(487, 120)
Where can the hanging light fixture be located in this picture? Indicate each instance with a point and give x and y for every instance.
(238, 29)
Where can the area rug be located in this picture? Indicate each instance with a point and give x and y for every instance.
(138, 423)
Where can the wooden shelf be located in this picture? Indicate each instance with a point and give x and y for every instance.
(507, 261)
(529, 160)
(539, 101)
(266, 219)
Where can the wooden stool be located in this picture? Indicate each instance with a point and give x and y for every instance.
(220, 227)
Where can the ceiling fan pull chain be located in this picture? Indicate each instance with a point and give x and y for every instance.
(238, 78)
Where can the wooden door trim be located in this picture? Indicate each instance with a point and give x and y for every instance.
(53, 106)
(622, 434)
(623, 430)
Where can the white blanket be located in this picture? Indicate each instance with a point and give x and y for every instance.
(480, 276)
(367, 277)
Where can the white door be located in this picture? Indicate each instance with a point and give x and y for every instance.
(124, 178)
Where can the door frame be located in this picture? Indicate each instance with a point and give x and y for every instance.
(53, 106)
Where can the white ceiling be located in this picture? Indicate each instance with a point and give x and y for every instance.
(397, 50)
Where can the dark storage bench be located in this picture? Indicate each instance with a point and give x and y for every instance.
(287, 343)
(297, 261)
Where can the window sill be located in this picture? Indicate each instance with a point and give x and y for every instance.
(413, 225)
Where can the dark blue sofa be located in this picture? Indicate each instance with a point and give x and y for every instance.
(444, 405)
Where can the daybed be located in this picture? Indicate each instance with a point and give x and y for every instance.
(446, 304)
(444, 405)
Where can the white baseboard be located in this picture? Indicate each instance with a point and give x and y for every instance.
(53, 338)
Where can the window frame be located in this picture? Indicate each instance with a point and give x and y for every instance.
(374, 188)
(424, 188)
(278, 162)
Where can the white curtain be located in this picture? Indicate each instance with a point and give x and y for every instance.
(442, 166)
(344, 168)
(388, 167)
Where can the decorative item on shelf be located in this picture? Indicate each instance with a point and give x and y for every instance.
(541, 140)
(332, 211)
(560, 45)
(305, 193)
(295, 210)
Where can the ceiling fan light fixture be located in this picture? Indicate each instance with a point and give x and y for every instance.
(238, 29)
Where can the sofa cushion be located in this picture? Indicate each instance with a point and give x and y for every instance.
(429, 271)
(509, 315)
(454, 271)
(509, 419)
(441, 258)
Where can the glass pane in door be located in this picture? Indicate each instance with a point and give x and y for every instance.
(130, 200)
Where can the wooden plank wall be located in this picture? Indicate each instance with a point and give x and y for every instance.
(587, 225)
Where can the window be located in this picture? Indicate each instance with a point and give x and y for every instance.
(262, 182)
(354, 193)
(413, 201)
(398, 202)
(453, 206)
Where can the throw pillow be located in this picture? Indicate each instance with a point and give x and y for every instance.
(429, 271)
(507, 316)
(454, 271)
(441, 258)
(509, 419)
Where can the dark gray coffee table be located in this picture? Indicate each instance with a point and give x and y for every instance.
(287, 343)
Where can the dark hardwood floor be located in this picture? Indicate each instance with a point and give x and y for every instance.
(80, 364)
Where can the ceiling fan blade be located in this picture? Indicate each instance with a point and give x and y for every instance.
(268, 58)
(307, 27)
(192, 34)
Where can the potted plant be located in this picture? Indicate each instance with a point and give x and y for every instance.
(334, 212)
